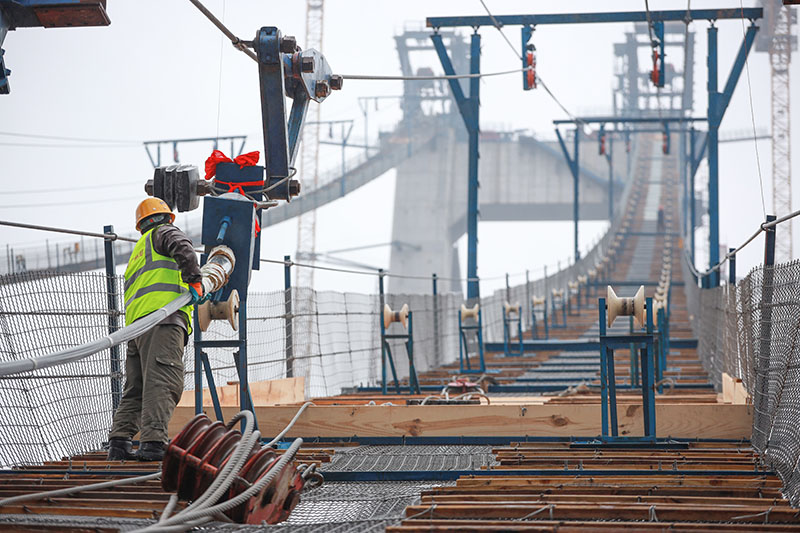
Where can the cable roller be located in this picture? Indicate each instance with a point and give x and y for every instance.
(390, 316)
(466, 312)
(557, 293)
(228, 310)
(509, 308)
(617, 306)
(537, 300)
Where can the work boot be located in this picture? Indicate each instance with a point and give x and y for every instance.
(120, 449)
(151, 451)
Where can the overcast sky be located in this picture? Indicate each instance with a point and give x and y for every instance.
(161, 71)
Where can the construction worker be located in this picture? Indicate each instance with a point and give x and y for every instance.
(163, 265)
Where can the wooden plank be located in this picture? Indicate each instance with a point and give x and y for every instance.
(561, 420)
(727, 388)
(740, 395)
(285, 391)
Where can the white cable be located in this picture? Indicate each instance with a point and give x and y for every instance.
(289, 426)
(77, 353)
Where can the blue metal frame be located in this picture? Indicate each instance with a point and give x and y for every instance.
(469, 108)
(507, 321)
(680, 15)
(413, 381)
(608, 386)
(554, 313)
(534, 324)
(463, 346)
(576, 345)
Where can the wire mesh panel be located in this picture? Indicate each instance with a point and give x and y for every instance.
(56, 411)
(752, 332)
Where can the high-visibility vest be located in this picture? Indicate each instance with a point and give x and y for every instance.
(152, 281)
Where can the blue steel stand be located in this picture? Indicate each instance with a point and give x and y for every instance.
(413, 382)
(555, 324)
(385, 357)
(507, 322)
(534, 322)
(463, 346)
(608, 386)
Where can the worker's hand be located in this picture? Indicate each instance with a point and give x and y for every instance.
(196, 290)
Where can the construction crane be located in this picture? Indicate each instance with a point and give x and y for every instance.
(309, 153)
(777, 39)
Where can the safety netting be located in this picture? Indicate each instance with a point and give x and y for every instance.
(751, 331)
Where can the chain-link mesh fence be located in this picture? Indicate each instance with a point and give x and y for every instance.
(751, 331)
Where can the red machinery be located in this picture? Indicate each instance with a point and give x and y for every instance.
(198, 453)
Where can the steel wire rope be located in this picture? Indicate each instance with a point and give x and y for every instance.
(499, 28)
(70, 189)
(753, 118)
(240, 45)
(762, 227)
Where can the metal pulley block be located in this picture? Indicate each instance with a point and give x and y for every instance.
(179, 186)
(196, 456)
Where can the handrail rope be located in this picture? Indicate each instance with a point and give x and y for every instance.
(105, 236)
(762, 227)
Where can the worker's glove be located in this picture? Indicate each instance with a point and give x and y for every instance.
(196, 290)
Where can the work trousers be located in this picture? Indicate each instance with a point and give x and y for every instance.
(153, 384)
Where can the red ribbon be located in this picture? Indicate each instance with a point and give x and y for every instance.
(244, 160)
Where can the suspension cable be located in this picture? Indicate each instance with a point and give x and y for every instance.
(235, 41)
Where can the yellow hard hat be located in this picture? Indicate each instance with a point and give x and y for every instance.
(152, 206)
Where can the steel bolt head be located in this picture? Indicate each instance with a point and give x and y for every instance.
(322, 89)
(294, 188)
(288, 44)
(336, 82)
(307, 64)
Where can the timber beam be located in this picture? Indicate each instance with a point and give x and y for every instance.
(712, 421)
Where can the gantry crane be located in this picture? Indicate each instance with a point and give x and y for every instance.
(777, 39)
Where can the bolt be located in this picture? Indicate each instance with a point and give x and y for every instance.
(322, 89)
(294, 188)
(288, 44)
(336, 82)
(307, 64)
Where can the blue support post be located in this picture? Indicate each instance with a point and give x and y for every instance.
(648, 390)
(609, 158)
(469, 107)
(436, 340)
(713, 157)
(112, 290)
(601, 311)
(572, 162)
(198, 367)
(717, 104)
(288, 318)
